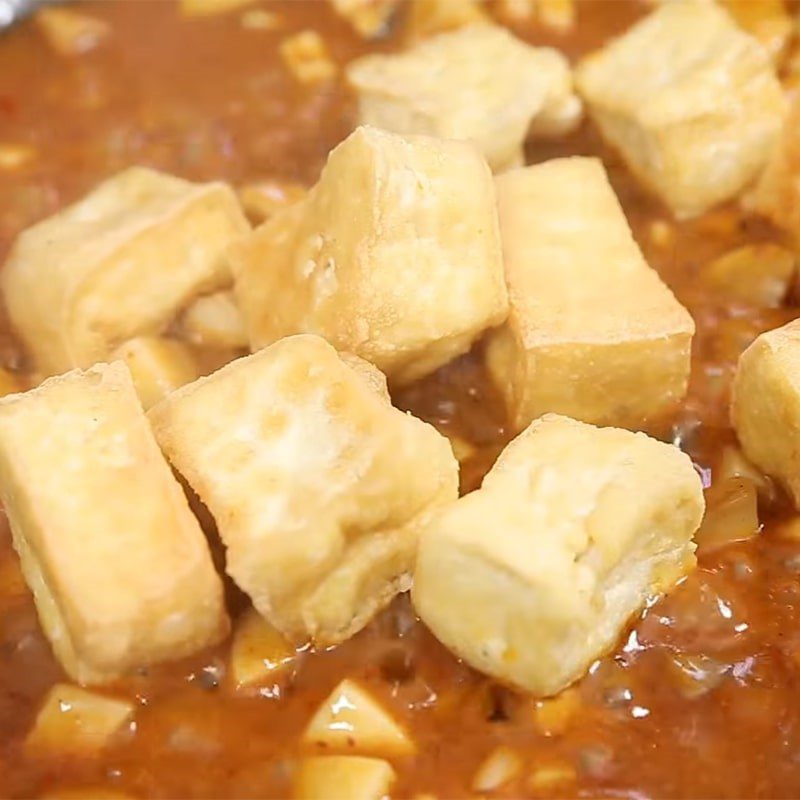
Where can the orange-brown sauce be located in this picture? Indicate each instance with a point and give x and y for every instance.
(207, 99)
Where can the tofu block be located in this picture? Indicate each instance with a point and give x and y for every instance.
(118, 566)
(777, 193)
(350, 719)
(477, 83)
(765, 405)
(394, 256)
(158, 366)
(214, 320)
(259, 653)
(370, 18)
(532, 577)
(76, 722)
(691, 102)
(335, 777)
(316, 482)
(592, 332)
(118, 264)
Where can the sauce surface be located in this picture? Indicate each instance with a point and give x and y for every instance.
(702, 699)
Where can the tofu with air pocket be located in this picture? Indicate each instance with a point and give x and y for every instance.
(119, 568)
(535, 575)
(479, 83)
(592, 332)
(317, 484)
(120, 263)
(690, 100)
(394, 256)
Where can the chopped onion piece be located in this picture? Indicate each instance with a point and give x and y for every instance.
(731, 514)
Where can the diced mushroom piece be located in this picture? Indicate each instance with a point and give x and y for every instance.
(307, 58)
(214, 320)
(588, 525)
(263, 198)
(429, 17)
(336, 777)
(765, 405)
(210, 8)
(677, 89)
(478, 83)
(777, 194)
(394, 256)
(755, 274)
(118, 264)
(351, 720)
(118, 565)
(69, 32)
(75, 721)
(498, 769)
(370, 18)
(731, 515)
(259, 652)
(317, 484)
(592, 332)
(158, 366)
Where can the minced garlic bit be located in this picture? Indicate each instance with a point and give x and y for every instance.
(370, 18)
(15, 156)
(71, 33)
(307, 58)
(499, 768)
(257, 19)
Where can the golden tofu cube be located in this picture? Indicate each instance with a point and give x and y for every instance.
(118, 264)
(370, 18)
(765, 405)
(214, 320)
(259, 652)
(592, 333)
(478, 83)
(395, 256)
(317, 483)
(118, 566)
(210, 8)
(587, 525)
(351, 719)
(777, 193)
(337, 777)
(691, 102)
(767, 20)
(74, 721)
(158, 366)
(71, 33)
(306, 56)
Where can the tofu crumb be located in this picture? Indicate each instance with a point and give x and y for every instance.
(306, 57)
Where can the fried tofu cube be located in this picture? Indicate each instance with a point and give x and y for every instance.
(592, 333)
(316, 482)
(394, 256)
(478, 83)
(765, 405)
(691, 102)
(533, 576)
(370, 18)
(335, 777)
(214, 320)
(118, 566)
(777, 193)
(158, 366)
(350, 719)
(74, 721)
(118, 264)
